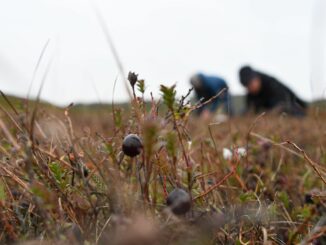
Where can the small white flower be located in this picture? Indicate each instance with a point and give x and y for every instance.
(241, 151)
(227, 154)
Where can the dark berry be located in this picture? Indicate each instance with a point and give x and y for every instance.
(179, 201)
(132, 145)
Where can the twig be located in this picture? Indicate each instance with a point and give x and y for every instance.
(49, 154)
(102, 230)
(312, 163)
(196, 107)
(8, 135)
(181, 102)
(275, 143)
(11, 118)
(16, 179)
(8, 101)
(217, 184)
(38, 101)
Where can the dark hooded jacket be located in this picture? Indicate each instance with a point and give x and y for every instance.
(274, 94)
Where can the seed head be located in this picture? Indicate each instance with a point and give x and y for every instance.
(132, 78)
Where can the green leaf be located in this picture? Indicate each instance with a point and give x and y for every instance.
(237, 242)
(248, 196)
(141, 86)
(283, 196)
(56, 170)
(168, 94)
(305, 212)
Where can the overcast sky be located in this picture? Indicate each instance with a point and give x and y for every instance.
(165, 41)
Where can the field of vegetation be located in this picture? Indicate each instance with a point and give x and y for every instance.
(72, 176)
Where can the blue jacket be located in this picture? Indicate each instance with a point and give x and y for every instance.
(211, 85)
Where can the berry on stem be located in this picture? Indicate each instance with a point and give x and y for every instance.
(132, 145)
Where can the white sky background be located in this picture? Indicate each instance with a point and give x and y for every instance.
(165, 41)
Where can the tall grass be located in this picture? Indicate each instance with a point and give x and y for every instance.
(65, 179)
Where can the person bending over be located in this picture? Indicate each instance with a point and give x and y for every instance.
(266, 93)
(207, 87)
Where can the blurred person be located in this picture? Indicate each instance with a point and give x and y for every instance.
(267, 93)
(207, 87)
